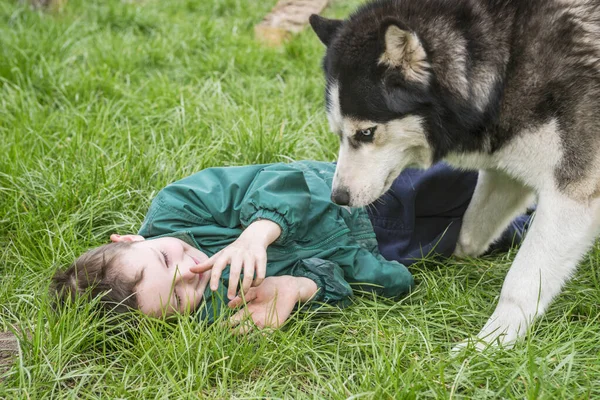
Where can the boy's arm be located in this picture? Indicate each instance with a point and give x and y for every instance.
(217, 203)
(334, 283)
(370, 272)
(322, 281)
(332, 287)
(280, 194)
(363, 270)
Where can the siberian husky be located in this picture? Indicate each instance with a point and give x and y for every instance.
(507, 87)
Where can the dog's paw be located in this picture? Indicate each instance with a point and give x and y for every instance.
(468, 344)
(506, 325)
(468, 248)
(484, 342)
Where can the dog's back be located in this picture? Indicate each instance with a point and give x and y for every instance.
(554, 73)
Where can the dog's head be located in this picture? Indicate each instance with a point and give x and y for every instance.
(378, 86)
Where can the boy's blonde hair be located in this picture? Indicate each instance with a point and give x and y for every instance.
(95, 273)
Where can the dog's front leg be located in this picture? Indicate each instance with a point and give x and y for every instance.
(497, 200)
(562, 231)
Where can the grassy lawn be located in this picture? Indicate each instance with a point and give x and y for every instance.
(104, 104)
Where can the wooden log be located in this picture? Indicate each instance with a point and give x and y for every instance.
(9, 349)
(47, 5)
(285, 19)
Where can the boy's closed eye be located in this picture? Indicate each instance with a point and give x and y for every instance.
(166, 258)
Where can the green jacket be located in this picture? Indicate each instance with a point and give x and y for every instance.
(332, 245)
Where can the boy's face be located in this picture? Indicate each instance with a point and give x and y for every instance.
(167, 285)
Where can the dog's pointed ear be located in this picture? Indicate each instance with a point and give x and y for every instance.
(404, 51)
(325, 28)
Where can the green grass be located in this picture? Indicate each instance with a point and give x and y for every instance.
(104, 104)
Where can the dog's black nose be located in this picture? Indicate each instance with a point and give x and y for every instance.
(341, 197)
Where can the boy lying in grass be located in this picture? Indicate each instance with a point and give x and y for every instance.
(271, 231)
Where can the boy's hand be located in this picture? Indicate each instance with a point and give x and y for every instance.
(248, 251)
(271, 303)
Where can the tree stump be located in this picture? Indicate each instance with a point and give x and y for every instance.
(9, 349)
(47, 5)
(288, 17)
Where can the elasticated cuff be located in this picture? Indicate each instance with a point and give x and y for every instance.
(273, 216)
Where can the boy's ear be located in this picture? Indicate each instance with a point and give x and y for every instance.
(126, 238)
(325, 28)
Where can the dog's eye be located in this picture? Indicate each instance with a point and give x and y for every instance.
(367, 132)
(365, 135)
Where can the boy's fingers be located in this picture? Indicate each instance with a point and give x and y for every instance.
(244, 328)
(235, 302)
(235, 267)
(205, 265)
(243, 321)
(247, 298)
(261, 270)
(248, 274)
(201, 267)
(215, 274)
(236, 318)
